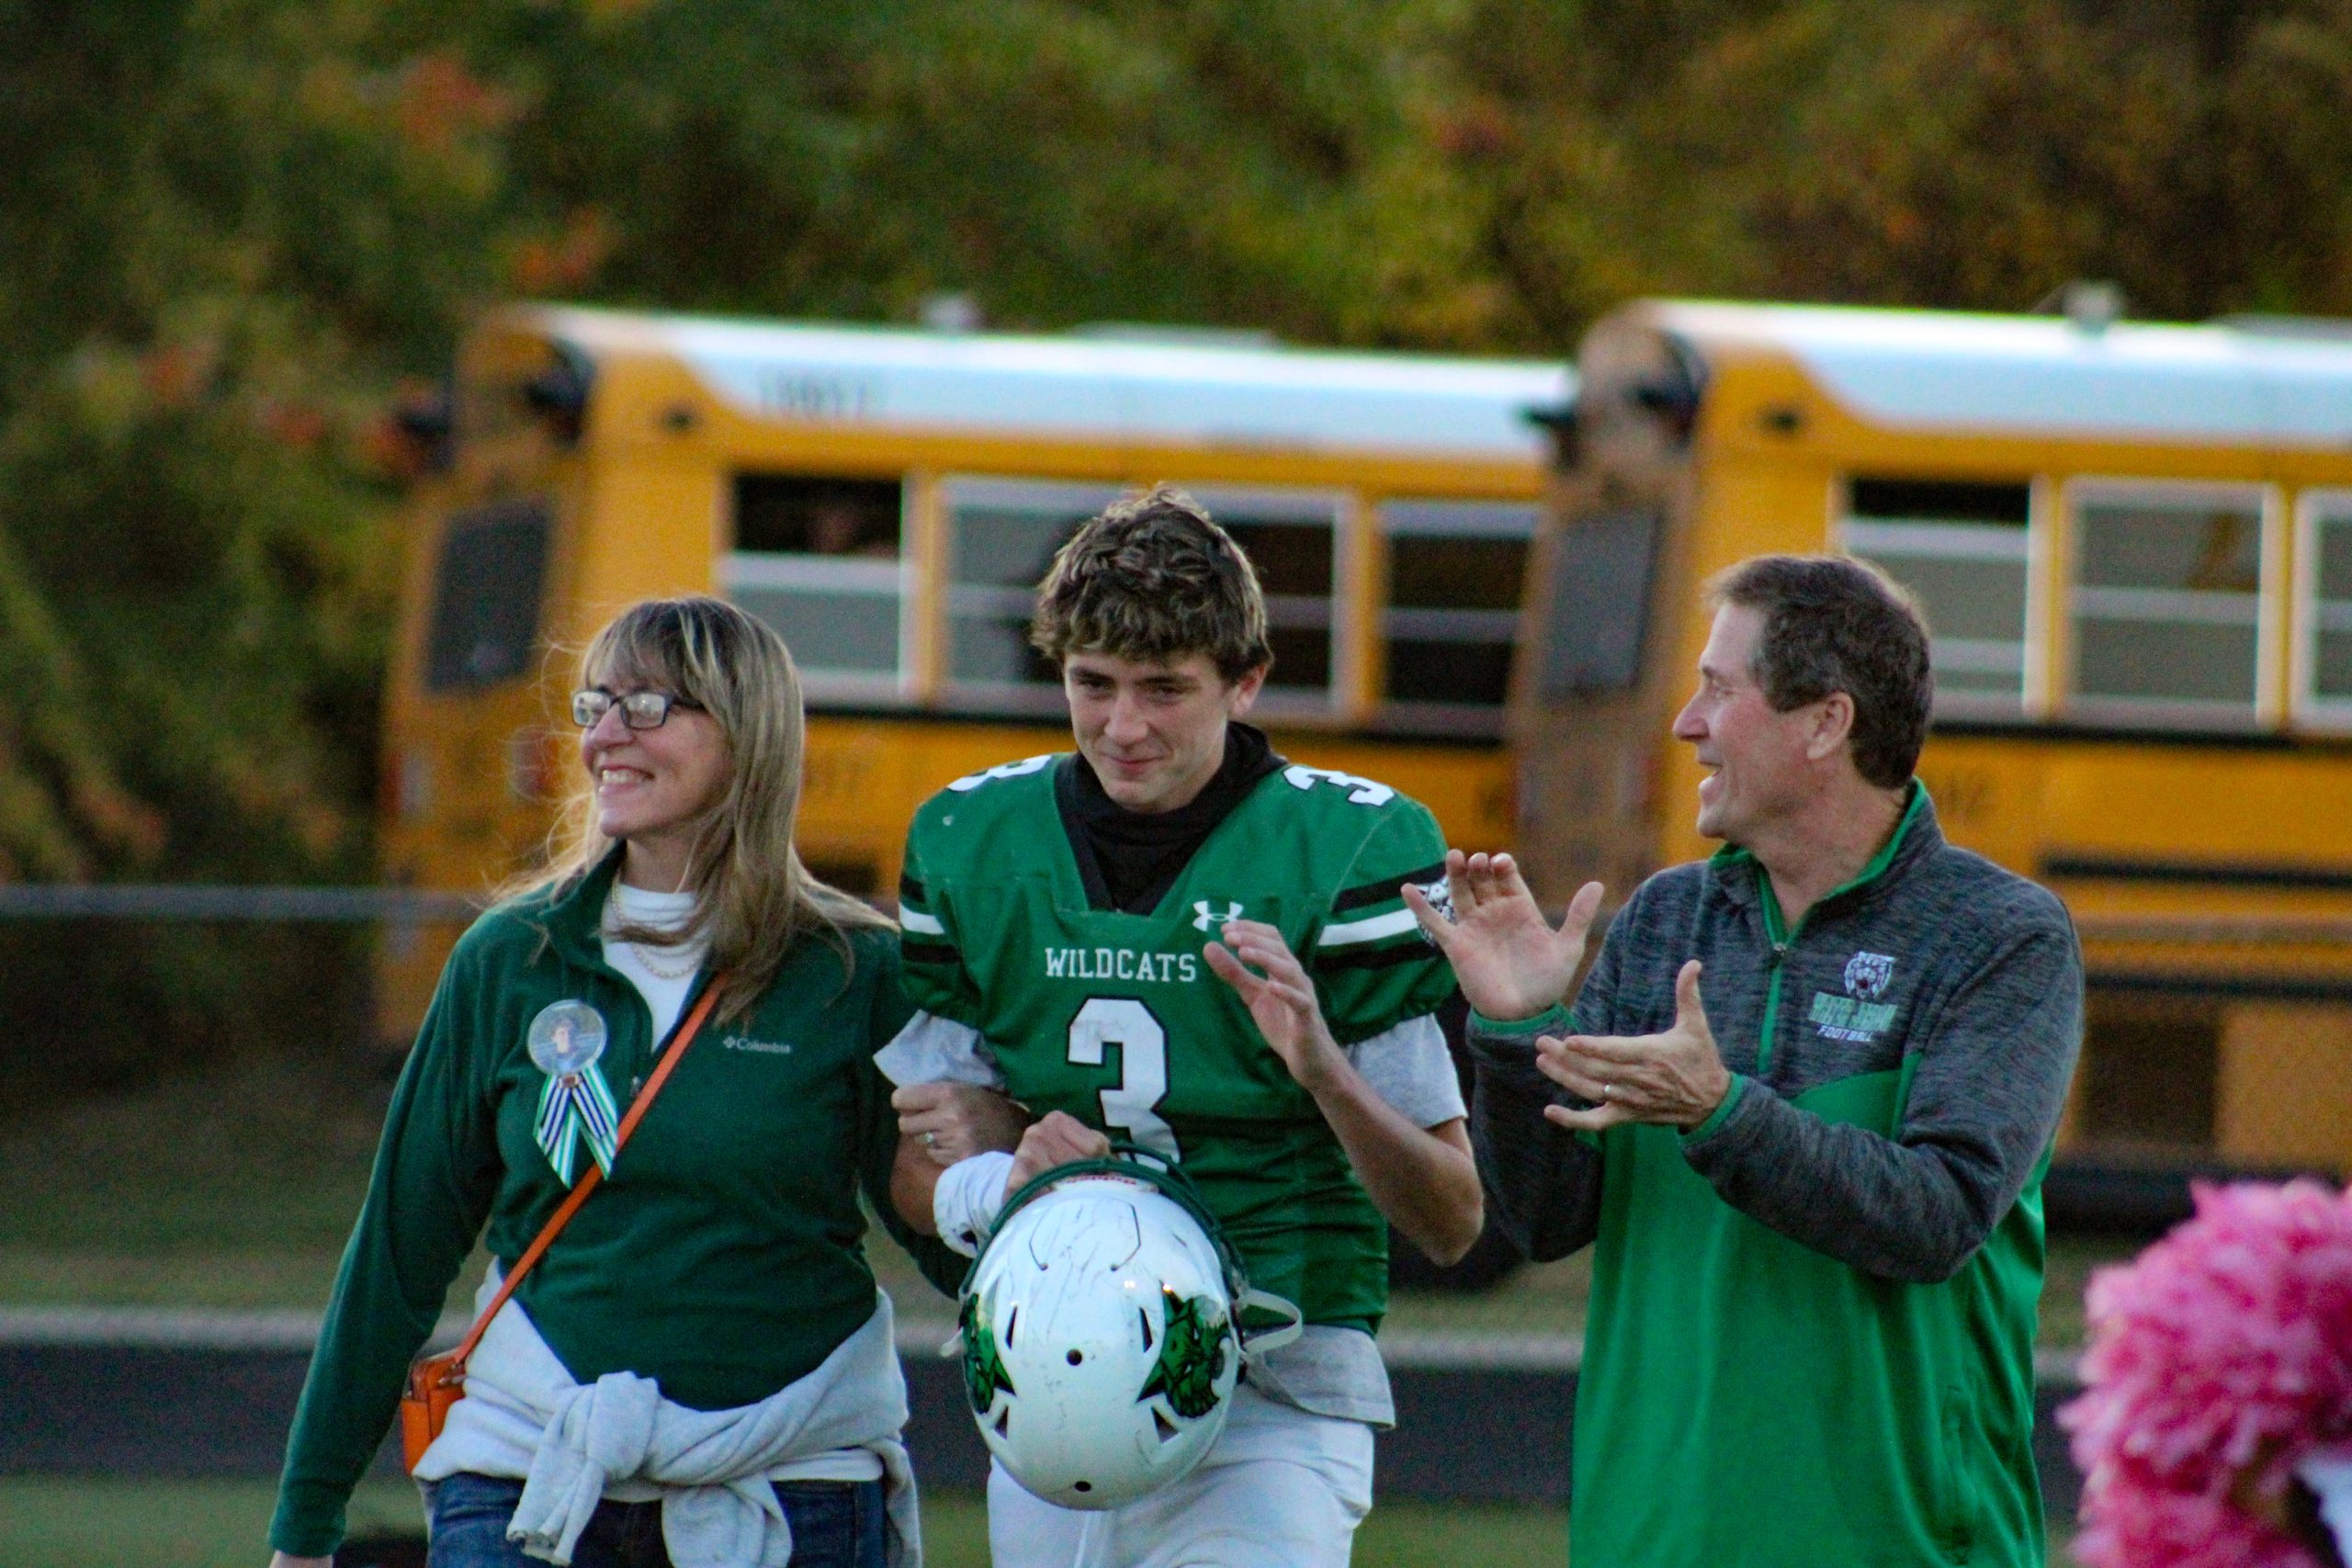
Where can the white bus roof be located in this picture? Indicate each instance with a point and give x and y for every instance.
(1117, 388)
(2043, 375)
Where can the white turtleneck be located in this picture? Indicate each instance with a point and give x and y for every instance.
(663, 975)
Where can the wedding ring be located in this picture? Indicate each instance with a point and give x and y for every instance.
(1607, 1089)
(929, 1139)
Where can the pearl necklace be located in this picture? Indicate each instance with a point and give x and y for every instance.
(645, 951)
(645, 956)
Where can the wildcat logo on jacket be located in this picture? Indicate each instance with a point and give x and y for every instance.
(1867, 974)
(1859, 1015)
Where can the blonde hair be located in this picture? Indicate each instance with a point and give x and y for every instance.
(754, 899)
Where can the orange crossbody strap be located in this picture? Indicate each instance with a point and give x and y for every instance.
(588, 1180)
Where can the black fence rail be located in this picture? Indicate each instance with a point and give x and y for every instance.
(182, 1395)
(223, 902)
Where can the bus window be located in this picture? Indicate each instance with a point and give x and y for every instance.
(1961, 548)
(817, 559)
(1290, 539)
(1001, 535)
(486, 591)
(2327, 549)
(2167, 600)
(1602, 568)
(1455, 569)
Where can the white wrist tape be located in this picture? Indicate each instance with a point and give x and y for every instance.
(965, 1202)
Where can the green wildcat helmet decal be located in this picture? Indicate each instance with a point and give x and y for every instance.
(1191, 1354)
(984, 1371)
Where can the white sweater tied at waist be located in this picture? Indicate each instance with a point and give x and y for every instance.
(525, 1418)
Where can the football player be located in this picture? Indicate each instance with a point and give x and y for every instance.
(1177, 938)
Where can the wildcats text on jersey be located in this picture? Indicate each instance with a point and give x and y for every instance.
(1120, 964)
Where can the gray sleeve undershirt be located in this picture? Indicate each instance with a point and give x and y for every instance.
(1409, 1067)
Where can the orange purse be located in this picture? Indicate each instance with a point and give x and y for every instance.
(437, 1382)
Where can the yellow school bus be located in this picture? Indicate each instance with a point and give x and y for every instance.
(2134, 547)
(888, 499)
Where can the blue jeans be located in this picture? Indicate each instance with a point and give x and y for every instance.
(835, 1524)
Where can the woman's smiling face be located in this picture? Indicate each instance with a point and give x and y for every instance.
(654, 786)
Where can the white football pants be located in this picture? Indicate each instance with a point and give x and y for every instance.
(1280, 1489)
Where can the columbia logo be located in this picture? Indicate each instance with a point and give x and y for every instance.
(763, 1047)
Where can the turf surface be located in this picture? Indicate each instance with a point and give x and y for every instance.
(95, 1523)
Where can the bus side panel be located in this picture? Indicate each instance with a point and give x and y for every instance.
(2283, 1094)
(649, 532)
(1588, 759)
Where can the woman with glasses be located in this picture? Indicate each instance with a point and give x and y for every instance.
(700, 1369)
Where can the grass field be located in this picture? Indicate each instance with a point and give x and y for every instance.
(234, 1187)
(96, 1523)
(113, 1524)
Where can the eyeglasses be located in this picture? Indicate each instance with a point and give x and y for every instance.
(639, 710)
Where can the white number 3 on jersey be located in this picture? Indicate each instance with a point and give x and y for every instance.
(1143, 1067)
(1361, 790)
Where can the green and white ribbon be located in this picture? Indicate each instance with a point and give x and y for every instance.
(576, 1108)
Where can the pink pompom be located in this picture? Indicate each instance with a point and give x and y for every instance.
(2219, 1358)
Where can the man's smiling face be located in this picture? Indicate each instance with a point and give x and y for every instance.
(1756, 756)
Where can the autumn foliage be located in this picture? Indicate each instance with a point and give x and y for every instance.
(240, 230)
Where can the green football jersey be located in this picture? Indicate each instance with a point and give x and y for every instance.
(1117, 1018)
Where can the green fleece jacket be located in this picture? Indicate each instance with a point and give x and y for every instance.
(724, 1256)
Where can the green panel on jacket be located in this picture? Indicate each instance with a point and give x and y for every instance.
(1907, 1407)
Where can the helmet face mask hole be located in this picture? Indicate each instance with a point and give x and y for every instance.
(1163, 1425)
(1145, 1318)
(1012, 1321)
(1075, 1357)
(1081, 1486)
(1003, 1419)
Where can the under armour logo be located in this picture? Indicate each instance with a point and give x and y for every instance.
(1207, 919)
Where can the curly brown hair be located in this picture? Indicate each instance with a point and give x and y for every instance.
(1153, 579)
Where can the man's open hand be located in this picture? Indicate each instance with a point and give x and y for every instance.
(1280, 1001)
(1509, 960)
(1675, 1079)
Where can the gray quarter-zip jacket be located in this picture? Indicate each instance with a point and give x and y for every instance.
(1812, 1327)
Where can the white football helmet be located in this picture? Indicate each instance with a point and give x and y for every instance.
(1102, 1335)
